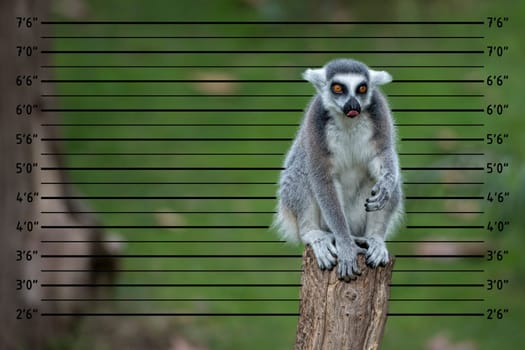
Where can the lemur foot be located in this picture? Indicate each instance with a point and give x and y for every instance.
(347, 267)
(376, 253)
(324, 251)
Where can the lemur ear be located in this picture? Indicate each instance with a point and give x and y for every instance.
(380, 77)
(316, 76)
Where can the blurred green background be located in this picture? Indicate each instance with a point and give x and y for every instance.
(279, 332)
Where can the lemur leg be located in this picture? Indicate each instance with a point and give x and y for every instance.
(322, 242)
(379, 223)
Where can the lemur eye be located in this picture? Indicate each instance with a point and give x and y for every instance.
(362, 89)
(337, 88)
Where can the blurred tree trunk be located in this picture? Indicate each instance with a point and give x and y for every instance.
(22, 326)
(336, 315)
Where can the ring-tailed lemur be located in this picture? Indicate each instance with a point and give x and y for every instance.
(341, 185)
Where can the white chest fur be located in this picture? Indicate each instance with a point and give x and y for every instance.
(352, 151)
(350, 143)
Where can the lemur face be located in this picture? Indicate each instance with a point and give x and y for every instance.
(346, 86)
(349, 92)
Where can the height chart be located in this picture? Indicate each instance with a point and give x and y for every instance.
(143, 144)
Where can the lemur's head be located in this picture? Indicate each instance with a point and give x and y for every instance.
(346, 85)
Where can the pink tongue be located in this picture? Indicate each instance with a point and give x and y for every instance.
(352, 113)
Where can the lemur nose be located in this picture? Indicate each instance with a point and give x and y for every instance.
(352, 108)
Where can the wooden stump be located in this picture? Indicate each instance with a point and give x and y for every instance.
(336, 315)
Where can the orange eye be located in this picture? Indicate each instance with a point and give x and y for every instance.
(362, 89)
(337, 88)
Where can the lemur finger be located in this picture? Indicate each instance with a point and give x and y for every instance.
(332, 249)
(325, 256)
(355, 268)
(324, 262)
(382, 195)
(372, 258)
(346, 270)
(377, 255)
(375, 189)
(378, 258)
(377, 205)
(376, 194)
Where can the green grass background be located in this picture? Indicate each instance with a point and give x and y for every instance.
(279, 332)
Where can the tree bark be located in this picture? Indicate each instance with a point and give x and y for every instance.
(336, 315)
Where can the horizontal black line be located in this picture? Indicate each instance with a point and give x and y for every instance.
(436, 299)
(213, 256)
(442, 154)
(442, 270)
(114, 139)
(230, 241)
(184, 285)
(54, 227)
(443, 182)
(445, 226)
(244, 110)
(162, 241)
(234, 124)
(464, 285)
(444, 212)
(443, 168)
(157, 212)
(242, 183)
(162, 168)
(178, 95)
(229, 52)
(437, 314)
(440, 256)
(233, 154)
(178, 299)
(239, 271)
(158, 197)
(445, 197)
(198, 256)
(174, 139)
(440, 124)
(171, 124)
(477, 139)
(246, 241)
(436, 95)
(186, 110)
(434, 241)
(228, 197)
(442, 110)
(159, 154)
(261, 22)
(153, 183)
(257, 37)
(172, 314)
(175, 270)
(240, 95)
(91, 314)
(249, 66)
(127, 81)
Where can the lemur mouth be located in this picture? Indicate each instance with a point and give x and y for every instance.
(352, 113)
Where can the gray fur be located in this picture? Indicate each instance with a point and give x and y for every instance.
(343, 65)
(341, 181)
